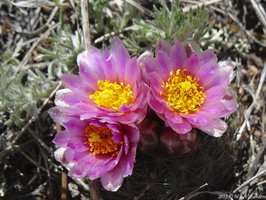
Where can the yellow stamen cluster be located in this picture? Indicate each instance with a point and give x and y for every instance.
(182, 92)
(112, 95)
(100, 140)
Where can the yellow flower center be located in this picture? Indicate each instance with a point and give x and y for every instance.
(112, 95)
(100, 140)
(182, 92)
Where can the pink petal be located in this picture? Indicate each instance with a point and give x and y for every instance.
(164, 64)
(192, 65)
(214, 109)
(150, 65)
(119, 57)
(220, 79)
(198, 119)
(58, 116)
(158, 106)
(207, 57)
(215, 128)
(156, 80)
(181, 128)
(131, 72)
(228, 68)
(175, 118)
(215, 93)
(65, 97)
(205, 73)
(112, 180)
(61, 139)
(90, 66)
(75, 84)
(178, 56)
(163, 46)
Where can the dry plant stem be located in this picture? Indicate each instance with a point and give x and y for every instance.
(31, 3)
(248, 33)
(251, 107)
(140, 7)
(33, 161)
(107, 35)
(260, 12)
(63, 186)
(45, 160)
(94, 187)
(45, 35)
(63, 174)
(206, 3)
(40, 141)
(193, 192)
(85, 22)
(249, 180)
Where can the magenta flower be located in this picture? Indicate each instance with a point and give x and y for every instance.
(97, 149)
(109, 86)
(190, 89)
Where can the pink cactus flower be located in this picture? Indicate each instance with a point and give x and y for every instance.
(109, 86)
(189, 89)
(97, 149)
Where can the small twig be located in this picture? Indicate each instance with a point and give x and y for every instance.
(94, 187)
(259, 11)
(193, 192)
(33, 161)
(34, 45)
(40, 141)
(83, 184)
(249, 180)
(63, 186)
(242, 27)
(33, 33)
(44, 35)
(45, 160)
(194, 7)
(251, 107)
(140, 7)
(31, 3)
(255, 163)
(107, 35)
(85, 22)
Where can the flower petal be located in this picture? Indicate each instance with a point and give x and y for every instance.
(215, 93)
(180, 128)
(75, 84)
(178, 56)
(163, 46)
(112, 180)
(215, 128)
(131, 72)
(119, 57)
(164, 64)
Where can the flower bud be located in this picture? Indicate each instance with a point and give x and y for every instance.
(175, 143)
(149, 135)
